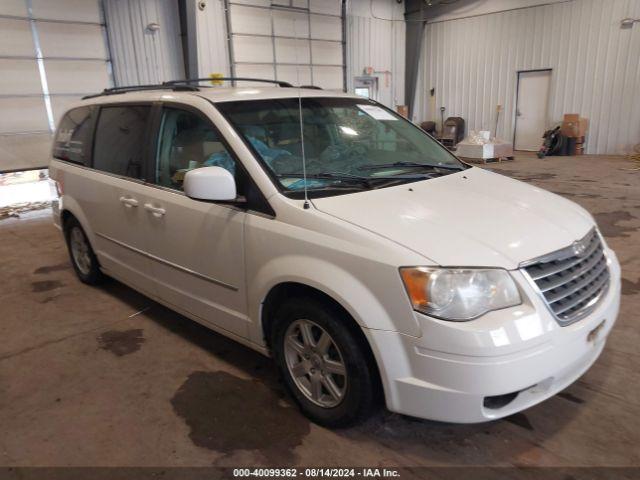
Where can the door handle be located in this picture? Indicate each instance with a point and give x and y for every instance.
(129, 202)
(156, 211)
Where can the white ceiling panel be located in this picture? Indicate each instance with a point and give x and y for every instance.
(331, 7)
(79, 76)
(78, 10)
(252, 49)
(15, 38)
(293, 75)
(19, 77)
(16, 8)
(250, 20)
(76, 41)
(326, 28)
(291, 24)
(329, 78)
(292, 51)
(22, 114)
(326, 53)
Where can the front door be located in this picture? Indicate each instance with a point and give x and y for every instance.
(531, 109)
(197, 247)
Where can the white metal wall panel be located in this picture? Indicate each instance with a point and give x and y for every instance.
(73, 10)
(15, 37)
(138, 55)
(291, 51)
(72, 40)
(16, 8)
(325, 28)
(22, 115)
(270, 38)
(330, 7)
(15, 148)
(378, 43)
(473, 62)
(19, 77)
(211, 39)
(76, 77)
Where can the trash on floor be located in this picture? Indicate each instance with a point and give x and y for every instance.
(14, 211)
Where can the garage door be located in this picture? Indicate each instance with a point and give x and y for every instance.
(288, 40)
(51, 54)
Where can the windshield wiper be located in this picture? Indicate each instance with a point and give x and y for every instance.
(342, 177)
(429, 166)
(367, 182)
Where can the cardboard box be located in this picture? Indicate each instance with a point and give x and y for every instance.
(573, 125)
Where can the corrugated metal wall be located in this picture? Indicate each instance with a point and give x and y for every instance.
(372, 42)
(472, 63)
(140, 56)
(212, 45)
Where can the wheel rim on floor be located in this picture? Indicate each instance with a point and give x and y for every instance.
(80, 250)
(315, 363)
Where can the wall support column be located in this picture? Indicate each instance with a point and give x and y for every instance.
(414, 12)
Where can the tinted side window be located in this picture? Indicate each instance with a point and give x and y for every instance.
(187, 141)
(73, 138)
(119, 140)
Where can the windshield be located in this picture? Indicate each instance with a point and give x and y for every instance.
(349, 144)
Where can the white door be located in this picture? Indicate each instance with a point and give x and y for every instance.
(112, 196)
(531, 109)
(197, 247)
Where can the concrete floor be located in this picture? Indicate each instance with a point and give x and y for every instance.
(105, 376)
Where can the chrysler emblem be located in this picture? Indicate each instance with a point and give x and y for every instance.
(579, 248)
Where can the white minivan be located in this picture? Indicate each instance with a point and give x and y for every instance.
(331, 233)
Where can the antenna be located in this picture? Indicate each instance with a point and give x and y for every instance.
(306, 204)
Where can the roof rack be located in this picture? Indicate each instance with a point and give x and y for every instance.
(136, 88)
(184, 85)
(311, 87)
(187, 81)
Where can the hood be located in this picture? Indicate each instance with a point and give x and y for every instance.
(473, 218)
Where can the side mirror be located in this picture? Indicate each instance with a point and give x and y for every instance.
(210, 183)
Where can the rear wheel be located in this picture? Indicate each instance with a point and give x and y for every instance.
(83, 258)
(322, 362)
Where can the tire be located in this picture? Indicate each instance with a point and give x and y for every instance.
(341, 400)
(82, 256)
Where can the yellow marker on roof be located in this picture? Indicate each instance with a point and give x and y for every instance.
(215, 78)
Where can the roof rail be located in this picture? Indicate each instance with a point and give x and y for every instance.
(187, 81)
(311, 87)
(137, 88)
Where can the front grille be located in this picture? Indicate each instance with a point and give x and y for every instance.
(572, 280)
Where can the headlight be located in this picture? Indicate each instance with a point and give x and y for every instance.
(459, 294)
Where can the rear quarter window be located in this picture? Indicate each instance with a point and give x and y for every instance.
(73, 137)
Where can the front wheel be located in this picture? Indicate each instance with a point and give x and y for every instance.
(322, 362)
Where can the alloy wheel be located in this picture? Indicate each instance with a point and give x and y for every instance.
(315, 363)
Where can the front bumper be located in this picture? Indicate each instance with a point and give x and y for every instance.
(449, 372)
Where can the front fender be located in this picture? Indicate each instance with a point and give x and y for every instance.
(369, 309)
